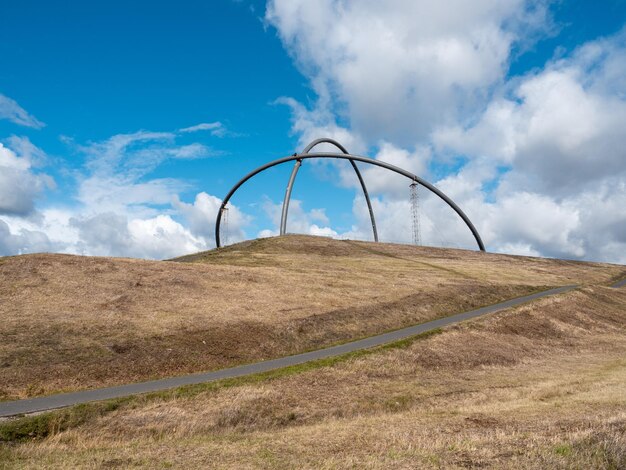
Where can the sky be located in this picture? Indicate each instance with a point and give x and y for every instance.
(123, 124)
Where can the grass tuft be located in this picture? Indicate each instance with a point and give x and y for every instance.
(563, 450)
(47, 424)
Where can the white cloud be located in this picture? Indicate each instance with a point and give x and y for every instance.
(137, 153)
(117, 169)
(103, 234)
(314, 229)
(538, 162)
(537, 221)
(381, 181)
(560, 134)
(562, 127)
(439, 225)
(23, 241)
(125, 212)
(162, 237)
(397, 69)
(201, 216)
(319, 122)
(9, 109)
(119, 210)
(158, 237)
(265, 233)
(313, 222)
(216, 129)
(20, 185)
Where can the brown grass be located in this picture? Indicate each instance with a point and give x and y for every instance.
(71, 322)
(539, 386)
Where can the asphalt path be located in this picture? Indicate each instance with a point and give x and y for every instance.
(32, 405)
(621, 283)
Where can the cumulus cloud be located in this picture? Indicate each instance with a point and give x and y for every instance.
(560, 135)
(392, 185)
(561, 127)
(310, 124)
(313, 222)
(202, 213)
(118, 209)
(157, 237)
(397, 69)
(23, 241)
(162, 237)
(103, 233)
(536, 161)
(9, 109)
(20, 184)
(125, 211)
(439, 225)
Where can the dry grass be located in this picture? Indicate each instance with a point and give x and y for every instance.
(71, 322)
(539, 386)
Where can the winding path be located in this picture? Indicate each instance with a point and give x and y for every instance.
(32, 405)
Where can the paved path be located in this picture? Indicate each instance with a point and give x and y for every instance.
(621, 283)
(12, 408)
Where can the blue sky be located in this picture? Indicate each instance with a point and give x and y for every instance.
(122, 125)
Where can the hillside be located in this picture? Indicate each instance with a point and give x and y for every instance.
(541, 385)
(72, 322)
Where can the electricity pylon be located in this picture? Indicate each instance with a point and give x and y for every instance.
(415, 205)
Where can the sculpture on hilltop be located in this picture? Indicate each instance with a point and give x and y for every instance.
(344, 155)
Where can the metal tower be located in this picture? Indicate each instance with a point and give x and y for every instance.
(225, 225)
(415, 205)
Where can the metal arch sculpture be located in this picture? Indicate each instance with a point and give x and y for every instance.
(299, 157)
(294, 172)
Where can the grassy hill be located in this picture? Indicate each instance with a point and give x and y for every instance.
(542, 385)
(73, 322)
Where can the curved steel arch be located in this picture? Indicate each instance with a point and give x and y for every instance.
(344, 156)
(292, 179)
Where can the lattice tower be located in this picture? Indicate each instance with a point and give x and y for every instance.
(225, 226)
(415, 207)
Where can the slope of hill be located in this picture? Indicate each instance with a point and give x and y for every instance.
(71, 322)
(542, 385)
(539, 386)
